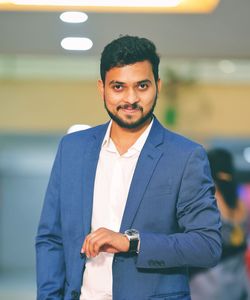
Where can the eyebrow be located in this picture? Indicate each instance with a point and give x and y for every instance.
(116, 82)
(144, 81)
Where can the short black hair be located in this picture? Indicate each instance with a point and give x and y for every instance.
(223, 173)
(221, 160)
(127, 50)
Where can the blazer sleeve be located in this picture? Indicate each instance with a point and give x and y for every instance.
(198, 243)
(49, 244)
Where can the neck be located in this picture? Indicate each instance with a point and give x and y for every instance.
(124, 138)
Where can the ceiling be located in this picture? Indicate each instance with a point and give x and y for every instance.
(225, 33)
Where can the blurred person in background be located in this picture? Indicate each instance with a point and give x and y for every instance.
(228, 280)
(129, 205)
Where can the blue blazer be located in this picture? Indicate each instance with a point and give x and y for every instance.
(170, 201)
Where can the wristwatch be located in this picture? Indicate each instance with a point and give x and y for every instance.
(134, 238)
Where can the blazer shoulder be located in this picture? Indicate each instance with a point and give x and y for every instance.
(84, 136)
(181, 139)
(171, 142)
(178, 142)
(171, 136)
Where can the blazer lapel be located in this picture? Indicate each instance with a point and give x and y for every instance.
(146, 164)
(89, 166)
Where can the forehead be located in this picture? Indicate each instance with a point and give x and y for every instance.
(131, 73)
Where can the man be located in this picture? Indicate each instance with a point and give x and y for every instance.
(130, 205)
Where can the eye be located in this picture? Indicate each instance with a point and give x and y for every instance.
(117, 87)
(142, 86)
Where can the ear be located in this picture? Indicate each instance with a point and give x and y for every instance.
(159, 84)
(100, 86)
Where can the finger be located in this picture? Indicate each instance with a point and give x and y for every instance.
(92, 243)
(107, 241)
(101, 240)
(83, 246)
(95, 242)
(86, 244)
(83, 249)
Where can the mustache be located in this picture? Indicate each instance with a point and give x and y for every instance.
(129, 106)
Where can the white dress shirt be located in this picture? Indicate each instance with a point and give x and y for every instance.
(112, 182)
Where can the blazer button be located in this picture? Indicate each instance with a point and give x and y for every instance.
(74, 295)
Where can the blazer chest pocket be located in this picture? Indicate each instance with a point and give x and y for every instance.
(172, 296)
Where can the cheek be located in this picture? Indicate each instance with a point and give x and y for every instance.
(148, 102)
(110, 104)
(113, 99)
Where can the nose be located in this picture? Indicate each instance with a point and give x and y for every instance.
(132, 96)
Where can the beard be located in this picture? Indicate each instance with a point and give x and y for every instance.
(131, 125)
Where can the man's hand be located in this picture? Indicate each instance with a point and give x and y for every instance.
(104, 240)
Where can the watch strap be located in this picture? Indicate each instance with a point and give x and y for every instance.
(133, 245)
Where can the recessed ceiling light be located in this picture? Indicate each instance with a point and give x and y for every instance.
(74, 17)
(76, 43)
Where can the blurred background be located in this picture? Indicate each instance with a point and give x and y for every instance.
(45, 88)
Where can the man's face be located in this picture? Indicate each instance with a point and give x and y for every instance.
(130, 94)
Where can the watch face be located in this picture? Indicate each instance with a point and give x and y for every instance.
(133, 236)
(132, 232)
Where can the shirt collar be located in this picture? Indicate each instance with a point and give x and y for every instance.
(138, 145)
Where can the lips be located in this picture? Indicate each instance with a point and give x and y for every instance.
(130, 111)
